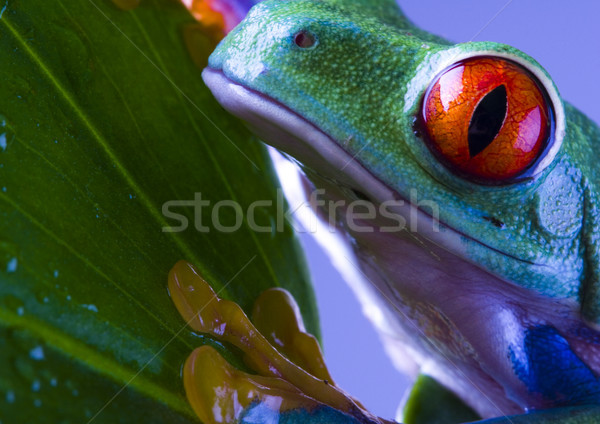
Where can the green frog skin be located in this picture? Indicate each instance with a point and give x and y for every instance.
(498, 299)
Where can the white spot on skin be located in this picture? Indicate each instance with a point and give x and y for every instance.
(37, 353)
(10, 396)
(90, 307)
(12, 265)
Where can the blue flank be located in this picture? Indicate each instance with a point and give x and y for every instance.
(548, 366)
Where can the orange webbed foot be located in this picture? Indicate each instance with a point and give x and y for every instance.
(291, 384)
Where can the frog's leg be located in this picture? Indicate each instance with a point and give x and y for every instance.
(569, 415)
(449, 409)
(291, 383)
(545, 351)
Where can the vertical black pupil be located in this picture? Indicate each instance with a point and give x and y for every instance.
(487, 120)
(304, 39)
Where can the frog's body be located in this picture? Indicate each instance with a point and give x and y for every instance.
(500, 303)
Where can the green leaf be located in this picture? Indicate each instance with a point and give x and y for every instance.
(103, 119)
(431, 403)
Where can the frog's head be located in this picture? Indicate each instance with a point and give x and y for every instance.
(477, 128)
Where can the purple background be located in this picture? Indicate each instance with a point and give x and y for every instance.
(565, 39)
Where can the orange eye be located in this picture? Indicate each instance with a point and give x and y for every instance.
(487, 118)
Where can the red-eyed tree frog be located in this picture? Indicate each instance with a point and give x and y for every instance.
(478, 231)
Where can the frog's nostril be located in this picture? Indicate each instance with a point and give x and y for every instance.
(305, 39)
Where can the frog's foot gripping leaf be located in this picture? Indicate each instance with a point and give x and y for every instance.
(220, 15)
(214, 19)
(291, 383)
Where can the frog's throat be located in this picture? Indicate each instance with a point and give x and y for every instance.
(289, 132)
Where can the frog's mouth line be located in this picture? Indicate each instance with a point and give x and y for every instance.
(289, 132)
